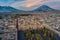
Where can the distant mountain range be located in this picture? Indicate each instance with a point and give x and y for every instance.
(42, 8)
(8, 9)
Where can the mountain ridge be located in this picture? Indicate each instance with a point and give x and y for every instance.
(43, 8)
(7, 9)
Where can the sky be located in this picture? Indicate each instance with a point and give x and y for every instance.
(30, 4)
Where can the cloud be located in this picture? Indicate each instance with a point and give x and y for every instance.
(30, 3)
(5, 2)
(8, 2)
(33, 3)
(54, 5)
(27, 3)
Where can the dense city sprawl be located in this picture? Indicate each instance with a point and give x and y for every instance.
(8, 29)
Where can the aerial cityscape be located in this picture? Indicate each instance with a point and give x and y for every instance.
(29, 20)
